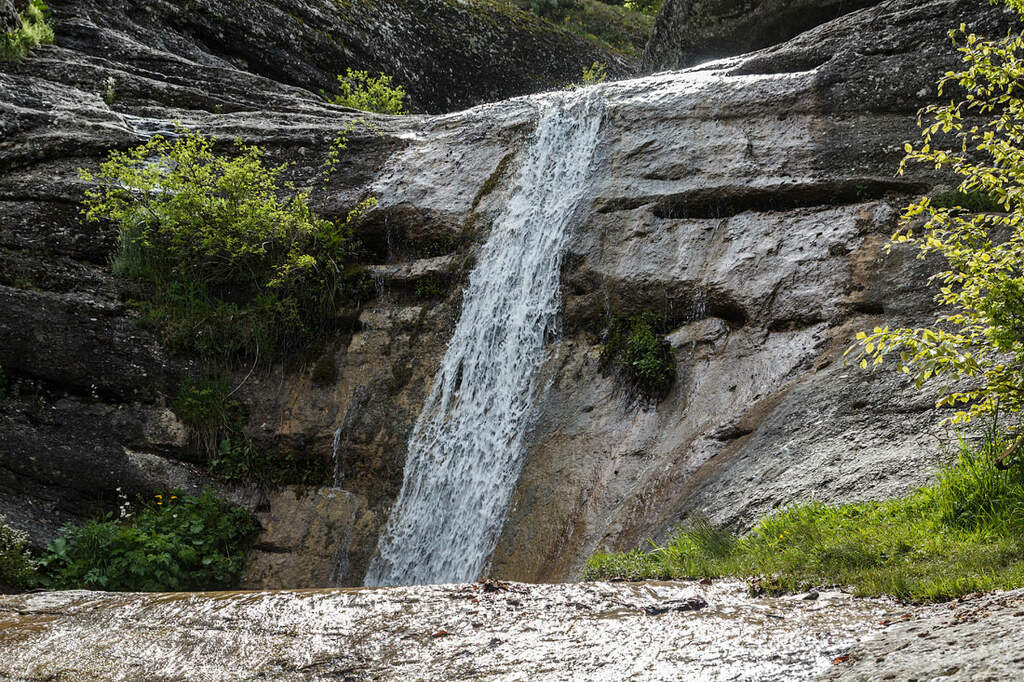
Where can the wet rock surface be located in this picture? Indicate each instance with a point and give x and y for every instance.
(975, 638)
(483, 631)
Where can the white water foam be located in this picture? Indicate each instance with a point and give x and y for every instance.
(466, 450)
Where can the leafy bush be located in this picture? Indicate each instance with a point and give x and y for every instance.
(638, 351)
(609, 25)
(981, 337)
(17, 569)
(204, 405)
(228, 268)
(176, 543)
(34, 31)
(359, 90)
(963, 534)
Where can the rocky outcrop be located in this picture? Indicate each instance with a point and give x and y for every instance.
(9, 19)
(688, 32)
(747, 201)
(446, 55)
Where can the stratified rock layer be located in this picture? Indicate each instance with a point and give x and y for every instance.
(688, 32)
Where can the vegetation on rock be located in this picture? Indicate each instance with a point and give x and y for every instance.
(34, 31)
(975, 350)
(226, 266)
(358, 90)
(17, 569)
(636, 348)
(176, 542)
(621, 26)
(964, 534)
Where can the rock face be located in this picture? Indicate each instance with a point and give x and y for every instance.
(688, 32)
(446, 55)
(747, 201)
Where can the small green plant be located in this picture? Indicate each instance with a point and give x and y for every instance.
(592, 75)
(109, 90)
(173, 543)
(358, 90)
(205, 406)
(17, 569)
(638, 351)
(34, 31)
(963, 534)
(230, 260)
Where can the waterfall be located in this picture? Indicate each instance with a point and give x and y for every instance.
(466, 449)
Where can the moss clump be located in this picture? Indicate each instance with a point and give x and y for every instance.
(974, 201)
(638, 351)
(964, 534)
(34, 31)
(492, 180)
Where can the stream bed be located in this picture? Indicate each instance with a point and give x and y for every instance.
(478, 631)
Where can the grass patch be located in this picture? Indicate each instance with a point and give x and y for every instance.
(964, 534)
(34, 31)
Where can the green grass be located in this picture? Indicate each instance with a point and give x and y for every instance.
(963, 534)
(34, 31)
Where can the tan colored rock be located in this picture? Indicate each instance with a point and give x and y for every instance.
(312, 538)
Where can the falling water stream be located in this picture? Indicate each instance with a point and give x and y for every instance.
(466, 450)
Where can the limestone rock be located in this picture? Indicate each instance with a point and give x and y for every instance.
(313, 538)
(688, 32)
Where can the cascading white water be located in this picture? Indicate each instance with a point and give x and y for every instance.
(466, 449)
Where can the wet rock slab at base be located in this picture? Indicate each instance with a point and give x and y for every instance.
(493, 631)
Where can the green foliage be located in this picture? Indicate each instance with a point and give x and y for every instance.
(964, 534)
(175, 543)
(227, 267)
(205, 406)
(975, 350)
(238, 459)
(17, 569)
(636, 348)
(592, 75)
(358, 90)
(609, 25)
(650, 7)
(34, 31)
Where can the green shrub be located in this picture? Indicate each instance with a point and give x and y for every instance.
(204, 405)
(641, 355)
(358, 90)
(17, 569)
(592, 75)
(175, 543)
(34, 31)
(610, 25)
(226, 266)
(963, 534)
